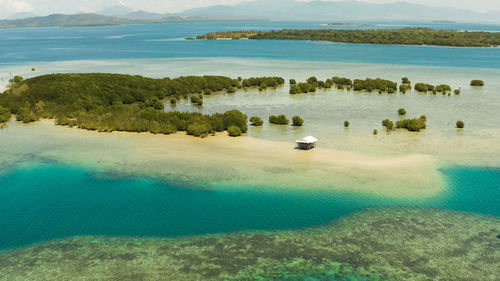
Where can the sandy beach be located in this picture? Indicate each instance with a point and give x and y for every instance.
(222, 161)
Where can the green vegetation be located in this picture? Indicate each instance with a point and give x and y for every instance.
(388, 124)
(195, 129)
(16, 79)
(457, 92)
(403, 88)
(293, 82)
(26, 115)
(401, 111)
(297, 121)
(256, 121)
(115, 102)
(443, 88)
(4, 114)
(412, 125)
(424, 88)
(477, 83)
(405, 81)
(234, 131)
(460, 124)
(375, 132)
(341, 83)
(197, 99)
(374, 84)
(262, 82)
(346, 124)
(406, 36)
(278, 120)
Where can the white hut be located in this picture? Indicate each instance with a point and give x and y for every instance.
(307, 143)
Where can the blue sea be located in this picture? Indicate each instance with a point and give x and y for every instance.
(154, 41)
(52, 200)
(49, 201)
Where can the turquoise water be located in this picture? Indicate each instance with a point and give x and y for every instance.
(153, 41)
(49, 201)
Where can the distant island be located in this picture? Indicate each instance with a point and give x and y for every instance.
(406, 36)
(349, 24)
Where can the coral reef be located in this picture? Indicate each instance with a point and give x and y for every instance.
(375, 244)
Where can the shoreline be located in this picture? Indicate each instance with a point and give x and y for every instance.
(222, 161)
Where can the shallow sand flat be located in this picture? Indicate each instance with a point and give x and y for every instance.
(223, 161)
(376, 244)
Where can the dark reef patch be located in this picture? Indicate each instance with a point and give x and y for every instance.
(376, 244)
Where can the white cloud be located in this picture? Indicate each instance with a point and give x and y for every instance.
(16, 6)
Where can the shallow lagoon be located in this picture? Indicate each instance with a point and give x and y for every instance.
(45, 201)
(51, 189)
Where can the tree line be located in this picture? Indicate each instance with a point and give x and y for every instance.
(116, 102)
(405, 36)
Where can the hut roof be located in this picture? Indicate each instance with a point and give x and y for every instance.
(309, 139)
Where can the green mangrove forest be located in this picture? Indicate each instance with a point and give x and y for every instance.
(405, 36)
(116, 102)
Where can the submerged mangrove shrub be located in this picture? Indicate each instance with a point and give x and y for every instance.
(197, 99)
(346, 124)
(388, 124)
(412, 125)
(256, 121)
(401, 111)
(278, 120)
(297, 121)
(477, 83)
(460, 124)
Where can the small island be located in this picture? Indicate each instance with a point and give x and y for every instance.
(405, 36)
(116, 102)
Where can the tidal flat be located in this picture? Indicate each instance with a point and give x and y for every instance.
(395, 168)
(376, 244)
(223, 161)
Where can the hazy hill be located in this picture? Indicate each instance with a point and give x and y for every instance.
(143, 15)
(264, 10)
(64, 20)
(343, 10)
(116, 11)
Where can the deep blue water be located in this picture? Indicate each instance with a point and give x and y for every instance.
(51, 201)
(28, 45)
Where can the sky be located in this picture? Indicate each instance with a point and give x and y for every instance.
(45, 7)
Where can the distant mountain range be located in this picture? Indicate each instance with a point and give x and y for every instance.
(64, 20)
(342, 10)
(261, 10)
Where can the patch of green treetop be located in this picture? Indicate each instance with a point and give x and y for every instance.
(116, 102)
(368, 84)
(412, 125)
(405, 36)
